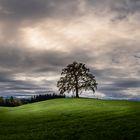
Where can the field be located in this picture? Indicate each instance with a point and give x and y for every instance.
(71, 119)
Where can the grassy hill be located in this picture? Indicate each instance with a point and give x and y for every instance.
(71, 119)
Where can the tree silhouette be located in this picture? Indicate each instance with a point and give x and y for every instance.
(76, 77)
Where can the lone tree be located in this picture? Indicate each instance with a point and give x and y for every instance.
(76, 77)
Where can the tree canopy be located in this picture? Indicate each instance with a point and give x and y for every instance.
(76, 77)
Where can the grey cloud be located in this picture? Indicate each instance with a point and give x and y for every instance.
(40, 9)
(112, 92)
(18, 59)
(117, 10)
(9, 86)
(128, 83)
(107, 73)
(21, 13)
(127, 6)
(125, 9)
(121, 84)
(32, 9)
(137, 55)
(15, 60)
(14, 57)
(118, 85)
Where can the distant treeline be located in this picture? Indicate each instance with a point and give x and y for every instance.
(12, 102)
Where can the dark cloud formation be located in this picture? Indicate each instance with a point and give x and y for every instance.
(21, 59)
(35, 9)
(128, 83)
(120, 7)
(15, 61)
(40, 37)
(32, 9)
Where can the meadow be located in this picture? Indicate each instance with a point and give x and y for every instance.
(71, 119)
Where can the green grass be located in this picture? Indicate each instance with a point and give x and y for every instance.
(71, 119)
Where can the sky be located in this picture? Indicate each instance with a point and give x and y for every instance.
(40, 37)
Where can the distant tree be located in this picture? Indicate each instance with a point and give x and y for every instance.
(12, 102)
(1, 101)
(76, 77)
(11, 99)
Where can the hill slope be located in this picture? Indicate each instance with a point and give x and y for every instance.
(71, 119)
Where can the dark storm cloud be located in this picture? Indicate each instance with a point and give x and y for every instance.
(121, 84)
(114, 85)
(118, 85)
(120, 6)
(137, 55)
(19, 59)
(16, 60)
(9, 86)
(37, 9)
(127, 6)
(128, 83)
(115, 91)
(107, 73)
(32, 9)
(7, 78)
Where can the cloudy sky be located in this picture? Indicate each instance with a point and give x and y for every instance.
(40, 37)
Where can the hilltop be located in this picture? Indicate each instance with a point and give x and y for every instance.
(71, 119)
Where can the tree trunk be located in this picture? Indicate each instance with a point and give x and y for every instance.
(77, 95)
(76, 87)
